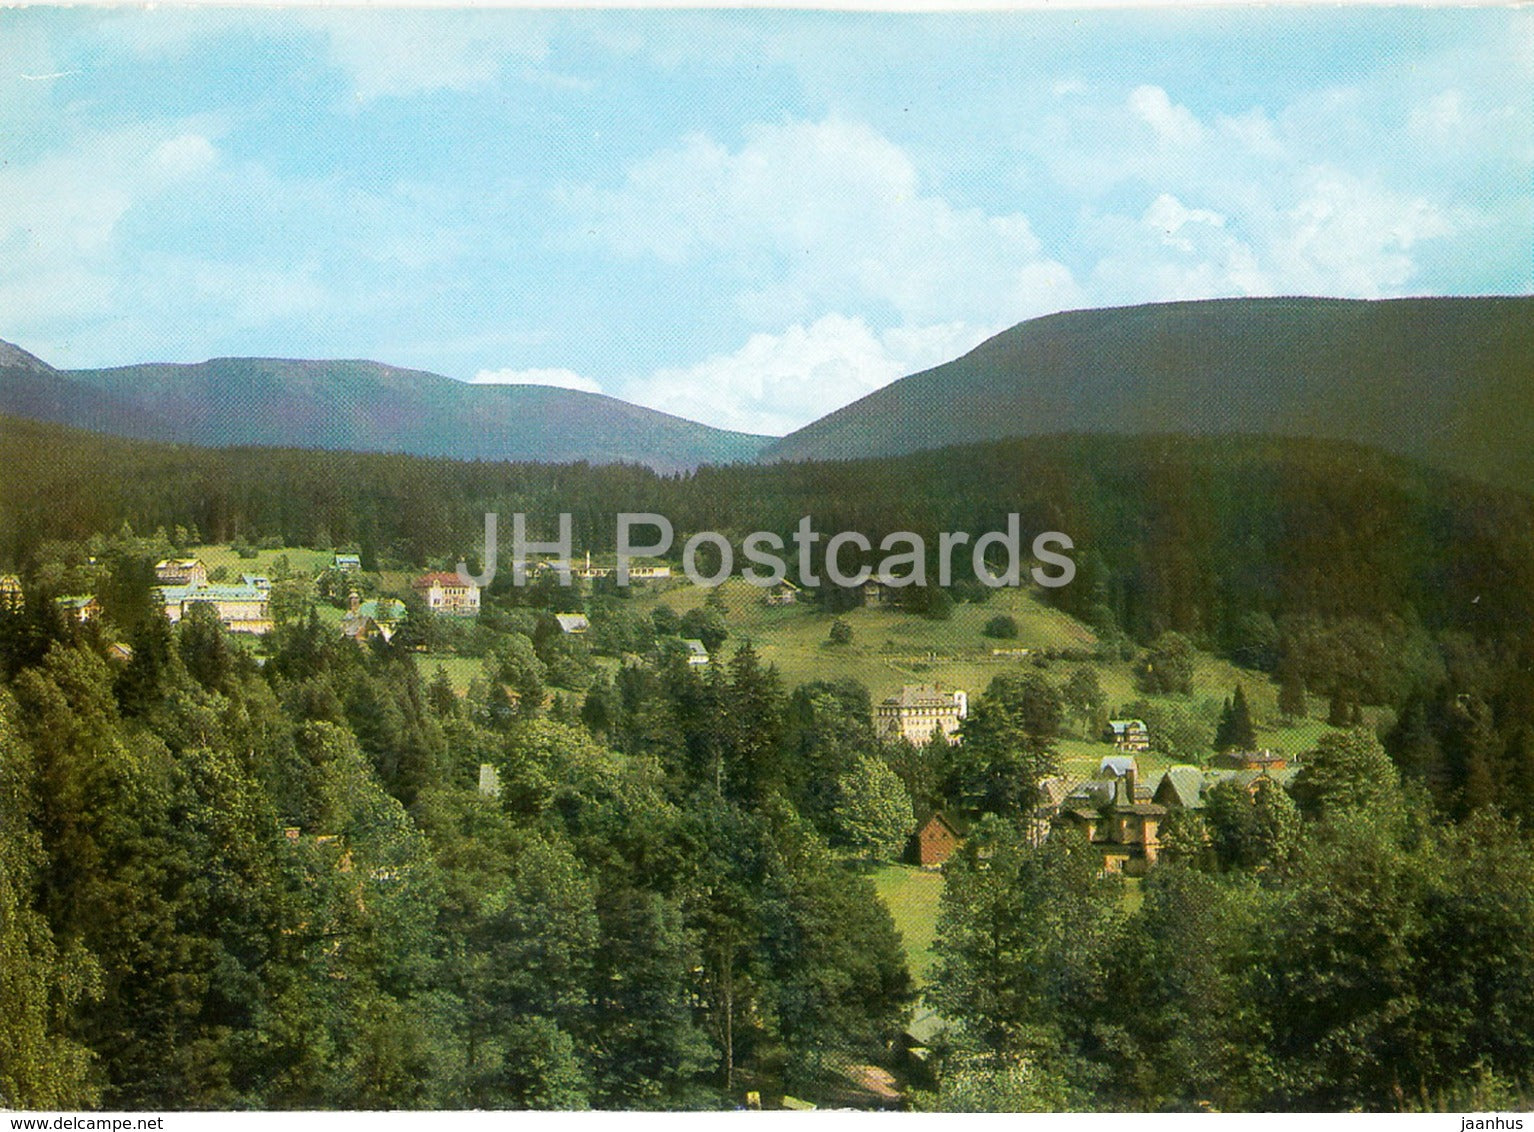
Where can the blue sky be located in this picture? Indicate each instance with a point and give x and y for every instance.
(749, 218)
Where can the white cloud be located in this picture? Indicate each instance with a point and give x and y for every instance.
(560, 378)
(777, 382)
(1438, 115)
(1173, 124)
(401, 53)
(186, 155)
(1171, 216)
(65, 207)
(1344, 191)
(84, 274)
(1322, 232)
(384, 51)
(1345, 235)
(1170, 251)
(811, 216)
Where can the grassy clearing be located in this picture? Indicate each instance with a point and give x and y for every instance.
(888, 648)
(460, 669)
(300, 560)
(1080, 758)
(912, 895)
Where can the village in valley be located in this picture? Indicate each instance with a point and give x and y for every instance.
(1119, 784)
(821, 825)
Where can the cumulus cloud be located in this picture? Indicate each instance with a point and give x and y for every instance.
(1170, 251)
(825, 215)
(560, 378)
(99, 253)
(185, 155)
(402, 53)
(1303, 198)
(777, 382)
(1173, 124)
(62, 211)
(1352, 237)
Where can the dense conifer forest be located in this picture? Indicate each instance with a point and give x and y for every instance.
(241, 873)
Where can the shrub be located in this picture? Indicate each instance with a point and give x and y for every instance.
(1003, 627)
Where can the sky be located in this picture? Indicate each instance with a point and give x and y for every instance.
(748, 217)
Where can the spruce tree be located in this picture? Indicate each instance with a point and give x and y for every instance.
(1291, 691)
(1243, 733)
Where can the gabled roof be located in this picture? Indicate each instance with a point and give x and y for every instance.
(1120, 726)
(1116, 766)
(359, 626)
(382, 609)
(1183, 786)
(695, 646)
(1094, 792)
(956, 824)
(1053, 790)
(926, 1024)
(440, 578)
(1248, 778)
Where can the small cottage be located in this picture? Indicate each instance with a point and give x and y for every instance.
(936, 839)
(1129, 735)
(365, 620)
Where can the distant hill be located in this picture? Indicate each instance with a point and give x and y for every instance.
(1446, 381)
(361, 406)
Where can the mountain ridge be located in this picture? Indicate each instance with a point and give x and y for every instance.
(1449, 381)
(360, 405)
